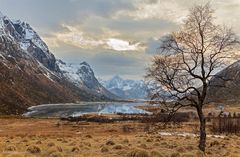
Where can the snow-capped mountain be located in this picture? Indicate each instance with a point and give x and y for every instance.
(83, 76)
(30, 75)
(128, 89)
(29, 41)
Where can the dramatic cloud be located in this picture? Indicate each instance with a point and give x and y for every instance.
(168, 10)
(76, 37)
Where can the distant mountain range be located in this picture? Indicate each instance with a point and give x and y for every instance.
(127, 89)
(31, 75)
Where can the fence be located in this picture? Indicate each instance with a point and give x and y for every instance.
(226, 124)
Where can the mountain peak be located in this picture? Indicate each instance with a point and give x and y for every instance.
(85, 63)
(129, 89)
(116, 77)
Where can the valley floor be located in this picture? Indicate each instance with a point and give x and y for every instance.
(55, 138)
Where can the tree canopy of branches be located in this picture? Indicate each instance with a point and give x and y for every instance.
(187, 61)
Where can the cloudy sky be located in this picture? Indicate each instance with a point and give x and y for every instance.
(117, 37)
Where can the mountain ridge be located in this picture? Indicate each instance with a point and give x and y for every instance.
(30, 74)
(127, 89)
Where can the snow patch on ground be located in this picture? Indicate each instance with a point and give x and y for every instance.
(184, 134)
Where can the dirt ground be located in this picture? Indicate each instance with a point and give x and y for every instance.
(20, 137)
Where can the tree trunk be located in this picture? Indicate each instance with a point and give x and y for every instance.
(202, 141)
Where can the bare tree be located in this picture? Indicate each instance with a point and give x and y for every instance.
(188, 59)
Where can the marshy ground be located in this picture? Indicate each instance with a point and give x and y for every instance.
(20, 137)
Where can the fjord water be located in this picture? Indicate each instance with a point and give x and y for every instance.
(74, 110)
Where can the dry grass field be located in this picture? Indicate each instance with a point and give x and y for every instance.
(26, 137)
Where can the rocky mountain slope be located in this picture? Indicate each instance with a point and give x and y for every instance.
(30, 75)
(83, 76)
(127, 89)
(225, 88)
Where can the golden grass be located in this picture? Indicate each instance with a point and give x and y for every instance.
(18, 138)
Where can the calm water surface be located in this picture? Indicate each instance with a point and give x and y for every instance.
(66, 110)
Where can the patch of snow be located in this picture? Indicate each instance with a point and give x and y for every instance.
(184, 134)
(24, 45)
(76, 73)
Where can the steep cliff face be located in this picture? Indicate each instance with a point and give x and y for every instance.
(30, 41)
(30, 75)
(82, 76)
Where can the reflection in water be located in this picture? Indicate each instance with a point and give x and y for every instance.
(74, 110)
